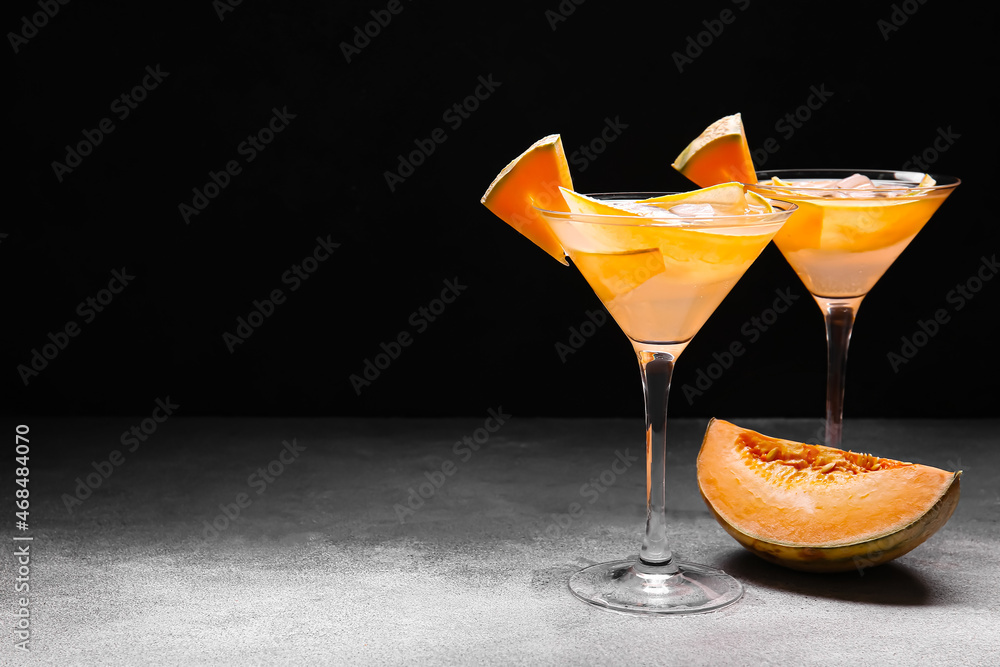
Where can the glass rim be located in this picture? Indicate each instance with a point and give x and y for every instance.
(900, 175)
(693, 222)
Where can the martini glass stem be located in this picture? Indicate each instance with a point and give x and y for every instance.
(657, 367)
(839, 315)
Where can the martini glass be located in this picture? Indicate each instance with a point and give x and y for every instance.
(660, 278)
(840, 242)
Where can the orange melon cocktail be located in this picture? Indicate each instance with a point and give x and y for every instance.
(849, 227)
(661, 264)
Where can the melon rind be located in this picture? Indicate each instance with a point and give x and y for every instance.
(857, 556)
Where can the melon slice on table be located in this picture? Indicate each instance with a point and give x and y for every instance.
(720, 154)
(532, 179)
(815, 508)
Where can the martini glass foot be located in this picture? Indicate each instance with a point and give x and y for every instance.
(631, 586)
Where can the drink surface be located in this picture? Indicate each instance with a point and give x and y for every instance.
(840, 241)
(663, 277)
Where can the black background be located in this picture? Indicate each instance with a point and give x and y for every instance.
(892, 92)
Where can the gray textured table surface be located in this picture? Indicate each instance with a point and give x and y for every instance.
(324, 566)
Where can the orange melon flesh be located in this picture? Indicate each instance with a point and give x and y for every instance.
(810, 507)
(720, 154)
(532, 179)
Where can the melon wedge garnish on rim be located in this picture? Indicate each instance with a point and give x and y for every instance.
(616, 255)
(532, 179)
(582, 235)
(724, 198)
(755, 199)
(584, 205)
(723, 195)
(718, 200)
(614, 258)
(816, 508)
(720, 154)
